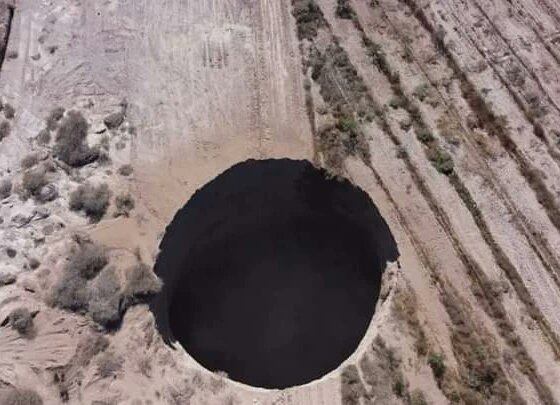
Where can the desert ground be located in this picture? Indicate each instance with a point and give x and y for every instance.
(446, 112)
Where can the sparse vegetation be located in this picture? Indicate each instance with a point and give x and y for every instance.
(54, 117)
(33, 181)
(21, 320)
(124, 203)
(109, 365)
(442, 162)
(4, 129)
(16, 396)
(93, 200)
(70, 142)
(104, 301)
(437, 364)
(344, 10)
(29, 161)
(125, 170)
(90, 285)
(352, 388)
(141, 282)
(5, 188)
(309, 18)
(43, 137)
(9, 111)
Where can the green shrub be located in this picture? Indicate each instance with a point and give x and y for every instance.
(93, 200)
(437, 364)
(396, 102)
(70, 143)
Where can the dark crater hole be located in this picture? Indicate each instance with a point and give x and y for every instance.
(271, 272)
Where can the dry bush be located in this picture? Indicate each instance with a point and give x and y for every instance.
(124, 203)
(70, 143)
(141, 282)
(70, 293)
(4, 129)
(21, 319)
(125, 170)
(437, 364)
(105, 298)
(93, 200)
(344, 10)
(109, 365)
(5, 188)
(87, 261)
(21, 397)
(309, 18)
(405, 306)
(54, 117)
(43, 137)
(33, 181)
(29, 161)
(9, 111)
(352, 388)
(417, 397)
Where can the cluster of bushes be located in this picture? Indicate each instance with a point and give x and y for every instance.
(9, 113)
(21, 320)
(70, 142)
(344, 10)
(309, 18)
(15, 396)
(90, 285)
(91, 199)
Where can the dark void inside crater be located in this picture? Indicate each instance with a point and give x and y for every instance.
(271, 272)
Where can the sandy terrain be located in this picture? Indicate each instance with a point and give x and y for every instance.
(210, 83)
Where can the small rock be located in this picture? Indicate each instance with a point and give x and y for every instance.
(48, 193)
(7, 279)
(36, 56)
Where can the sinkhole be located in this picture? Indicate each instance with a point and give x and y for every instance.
(272, 272)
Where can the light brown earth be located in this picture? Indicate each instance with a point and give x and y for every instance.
(212, 83)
